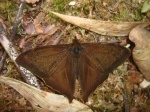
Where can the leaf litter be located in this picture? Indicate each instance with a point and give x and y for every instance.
(44, 30)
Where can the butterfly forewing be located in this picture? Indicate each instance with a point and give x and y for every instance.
(54, 65)
(95, 63)
(106, 57)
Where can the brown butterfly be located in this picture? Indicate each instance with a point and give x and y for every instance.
(60, 65)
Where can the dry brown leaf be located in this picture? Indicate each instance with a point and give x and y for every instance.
(134, 109)
(133, 78)
(52, 30)
(48, 28)
(101, 27)
(36, 28)
(22, 43)
(37, 22)
(39, 29)
(141, 52)
(31, 1)
(44, 101)
(30, 29)
(41, 39)
(22, 101)
(39, 18)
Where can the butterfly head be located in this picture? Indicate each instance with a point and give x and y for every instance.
(76, 46)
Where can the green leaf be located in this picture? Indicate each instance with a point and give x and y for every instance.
(146, 6)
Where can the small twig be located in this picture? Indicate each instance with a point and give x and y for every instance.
(12, 52)
(55, 41)
(125, 96)
(18, 20)
(5, 105)
(14, 29)
(2, 61)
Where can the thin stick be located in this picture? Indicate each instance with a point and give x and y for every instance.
(13, 54)
(3, 58)
(18, 19)
(125, 96)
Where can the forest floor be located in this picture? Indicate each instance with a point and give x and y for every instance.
(109, 96)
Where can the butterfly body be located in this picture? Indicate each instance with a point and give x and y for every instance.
(59, 65)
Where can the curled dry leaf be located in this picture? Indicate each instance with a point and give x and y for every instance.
(101, 27)
(44, 101)
(31, 1)
(35, 28)
(141, 52)
(45, 35)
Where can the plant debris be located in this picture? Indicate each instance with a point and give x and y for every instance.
(39, 27)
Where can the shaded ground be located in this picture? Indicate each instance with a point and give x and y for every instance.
(109, 96)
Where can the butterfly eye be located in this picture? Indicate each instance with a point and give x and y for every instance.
(76, 50)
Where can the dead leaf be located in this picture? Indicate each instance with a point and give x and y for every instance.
(35, 28)
(133, 78)
(39, 18)
(30, 29)
(39, 29)
(22, 43)
(134, 109)
(52, 30)
(31, 1)
(107, 105)
(22, 101)
(44, 101)
(141, 52)
(45, 39)
(101, 27)
(54, 39)
(48, 28)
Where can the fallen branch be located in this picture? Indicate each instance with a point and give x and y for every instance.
(18, 19)
(12, 52)
(44, 101)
